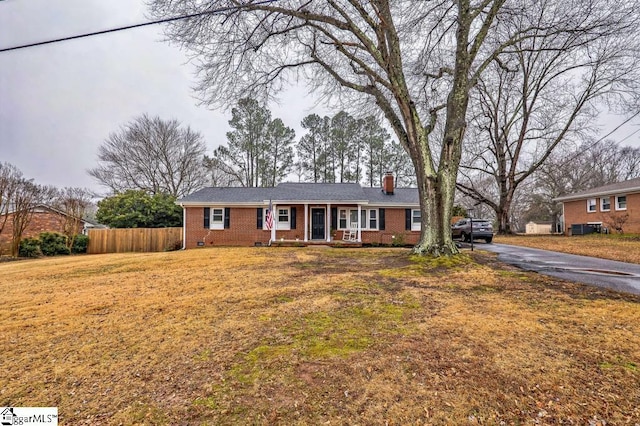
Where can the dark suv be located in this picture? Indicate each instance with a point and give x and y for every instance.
(482, 230)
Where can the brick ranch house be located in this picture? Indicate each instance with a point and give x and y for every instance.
(44, 219)
(304, 212)
(609, 206)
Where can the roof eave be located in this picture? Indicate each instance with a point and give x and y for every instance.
(597, 194)
(266, 202)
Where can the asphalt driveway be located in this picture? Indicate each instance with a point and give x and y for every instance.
(619, 276)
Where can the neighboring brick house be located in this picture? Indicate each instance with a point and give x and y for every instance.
(304, 212)
(44, 219)
(610, 206)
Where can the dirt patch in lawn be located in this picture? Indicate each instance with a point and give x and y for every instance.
(299, 336)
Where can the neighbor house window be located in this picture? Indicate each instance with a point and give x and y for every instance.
(416, 220)
(621, 202)
(591, 205)
(283, 219)
(217, 219)
(348, 218)
(605, 204)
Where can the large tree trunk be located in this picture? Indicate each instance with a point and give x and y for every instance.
(435, 197)
(503, 211)
(504, 224)
(437, 189)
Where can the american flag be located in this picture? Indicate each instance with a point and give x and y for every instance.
(269, 217)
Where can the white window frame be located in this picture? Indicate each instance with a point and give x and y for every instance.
(416, 225)
(602, 204)
(372, 214)
(618, 202)
(345, 216)
(591, 202)
(216, 224)
(353, 213)
(282, 225)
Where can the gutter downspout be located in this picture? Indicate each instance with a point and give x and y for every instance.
(184, 227)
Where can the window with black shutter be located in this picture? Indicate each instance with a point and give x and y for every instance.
(227, 212)
(407, 219)
(334, 218)
(207, 217)
(259, 218)
(381, 219)
(293, 218)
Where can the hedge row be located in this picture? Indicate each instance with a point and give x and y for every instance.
(52, 244)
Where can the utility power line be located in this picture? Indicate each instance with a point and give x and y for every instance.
(129, 27)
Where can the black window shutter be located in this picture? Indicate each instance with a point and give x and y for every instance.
(334, 217)
(293, 218)
(259, 218)
(207, 216)
(381, 219)
(227, 210)
(407, 219)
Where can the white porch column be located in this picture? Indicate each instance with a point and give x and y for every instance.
(306, 222)
(359, 223)
(275, 222)
(328, 226)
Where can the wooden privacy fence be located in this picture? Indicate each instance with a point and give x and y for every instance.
(134, 240)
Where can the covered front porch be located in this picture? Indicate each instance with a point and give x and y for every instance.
(323, 224)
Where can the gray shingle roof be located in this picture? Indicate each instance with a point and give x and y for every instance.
(401, 196)
(632, 185)
(302, 192)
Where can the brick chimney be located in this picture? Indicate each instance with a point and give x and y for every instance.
(387, 183)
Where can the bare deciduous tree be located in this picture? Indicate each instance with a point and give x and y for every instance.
(10, 176)
(220, 173)
(153, 155)
(26, 198)
(415, 61)
(544, 92)
(73, 202)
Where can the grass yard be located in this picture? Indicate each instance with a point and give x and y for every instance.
(308, 336)
(625, 248)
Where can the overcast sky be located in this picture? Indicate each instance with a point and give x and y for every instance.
(60, 101)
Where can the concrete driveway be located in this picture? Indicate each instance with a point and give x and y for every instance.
(619, 276)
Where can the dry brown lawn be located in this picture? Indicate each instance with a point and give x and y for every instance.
(302, 336)
(625, 248)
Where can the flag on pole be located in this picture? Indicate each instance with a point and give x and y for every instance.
(269, 217)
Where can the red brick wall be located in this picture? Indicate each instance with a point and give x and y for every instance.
(41, 221)
(394, 226)
(575, 212)
(243, 229)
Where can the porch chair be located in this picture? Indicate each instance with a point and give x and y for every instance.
(350, 234)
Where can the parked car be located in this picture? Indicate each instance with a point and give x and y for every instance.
(482, 230)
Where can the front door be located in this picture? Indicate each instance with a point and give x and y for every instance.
(317, 224)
